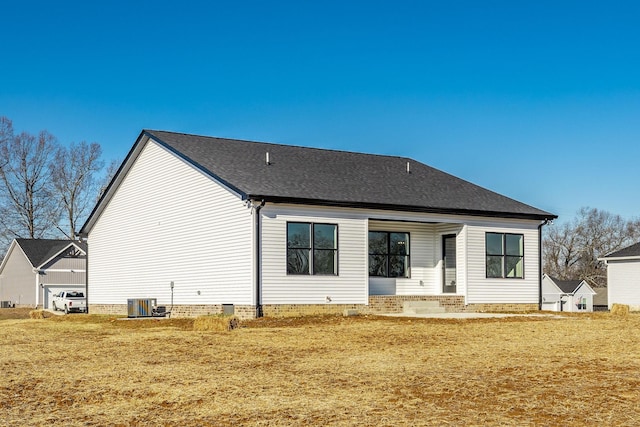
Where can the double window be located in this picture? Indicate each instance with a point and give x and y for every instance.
(505, 255)
(388, 254)
(312, 248)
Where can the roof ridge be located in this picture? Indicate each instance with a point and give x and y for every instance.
(279, 144)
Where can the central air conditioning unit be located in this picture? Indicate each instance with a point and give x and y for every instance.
(5, 304)
(141, 307)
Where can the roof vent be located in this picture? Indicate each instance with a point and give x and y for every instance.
(408, 167)
(266, 159)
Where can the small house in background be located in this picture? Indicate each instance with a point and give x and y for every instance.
(600, 299)
(623, 277)
(35, 269)
(566, 295)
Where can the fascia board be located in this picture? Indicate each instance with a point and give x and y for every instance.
(12, 246)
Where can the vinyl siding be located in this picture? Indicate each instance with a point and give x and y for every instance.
(63, 277)
(623, 282)
(17, 279)
(483, 290)
(550, 295)
(425, 260)
(169, 222)
(426, 233)
(71, 263)
(583, 291)
(348, 287)
(461, 278)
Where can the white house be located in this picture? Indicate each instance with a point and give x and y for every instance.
(202, 223)
(35, 269)
(623, 277)
(566, 295)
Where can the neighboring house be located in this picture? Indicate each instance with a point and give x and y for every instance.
(623, 277)
(566, 295)
(35, 269)
(201, 223)
(600, 299)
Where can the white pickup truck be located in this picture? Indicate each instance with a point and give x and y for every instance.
(70, 301)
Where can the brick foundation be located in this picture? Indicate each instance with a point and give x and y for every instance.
(501, 308)
(241, 311)
(377, 305)
(393, 303)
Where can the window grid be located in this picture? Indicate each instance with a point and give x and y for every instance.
(504, 255)
(312, 248)
(389, 254)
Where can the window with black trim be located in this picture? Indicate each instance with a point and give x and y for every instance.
(505, 255)
(388, 254)
(312, 248)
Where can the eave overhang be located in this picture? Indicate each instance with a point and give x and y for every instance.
(401, 208)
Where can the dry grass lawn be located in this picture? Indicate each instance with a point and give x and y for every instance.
(354, 371)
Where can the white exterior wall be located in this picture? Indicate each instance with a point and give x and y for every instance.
(425, 259)
(169, 222)
(422, 259)
(17, 279)
(623, 283)
(353, 284)
(480, 289)
(348, 287)
(550, 295)
(582, 292)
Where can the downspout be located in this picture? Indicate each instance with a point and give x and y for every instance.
(35, 270)
(542, 224)
(259, 312)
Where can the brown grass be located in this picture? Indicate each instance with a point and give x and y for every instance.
(354, 371)
(216, 323)
(14, 313)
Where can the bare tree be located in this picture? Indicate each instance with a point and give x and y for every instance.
(112, 169)
(6, 134)
(571, 250)
(73, 179)
(27, 205)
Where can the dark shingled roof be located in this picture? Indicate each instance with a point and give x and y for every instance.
(566, 286)
(40, 250)
(339, 178)
(601, 296)
(629, 251)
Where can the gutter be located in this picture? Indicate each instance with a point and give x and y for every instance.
(543, 216)
(257, 208)
(542, 224)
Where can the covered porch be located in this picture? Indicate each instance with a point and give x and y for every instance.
(416, 259)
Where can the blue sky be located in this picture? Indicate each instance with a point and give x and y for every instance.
(537, 100)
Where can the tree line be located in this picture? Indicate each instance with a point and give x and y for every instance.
(47, 189)
(571, 249)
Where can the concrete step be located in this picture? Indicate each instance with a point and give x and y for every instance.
(430, 310)
(419, 304)
(422, 307)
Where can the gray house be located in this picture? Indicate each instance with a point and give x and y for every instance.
(202, 223)
(35, 269)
